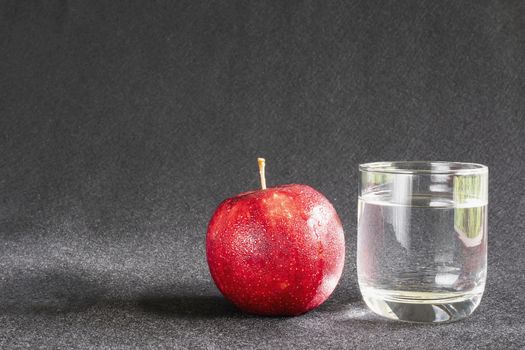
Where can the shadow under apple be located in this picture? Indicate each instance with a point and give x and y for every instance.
(190, 306)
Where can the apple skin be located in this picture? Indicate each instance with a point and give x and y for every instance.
(278, 251)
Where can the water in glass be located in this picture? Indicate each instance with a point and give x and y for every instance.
(423, 260)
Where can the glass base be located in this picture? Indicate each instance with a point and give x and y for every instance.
(423, 307)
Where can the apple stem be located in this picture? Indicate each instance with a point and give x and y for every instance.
(262, 163)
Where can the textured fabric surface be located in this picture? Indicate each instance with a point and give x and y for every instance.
(124, 124)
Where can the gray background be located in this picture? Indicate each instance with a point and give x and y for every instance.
(124, 124)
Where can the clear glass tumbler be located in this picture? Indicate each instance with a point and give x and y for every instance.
(422, 239)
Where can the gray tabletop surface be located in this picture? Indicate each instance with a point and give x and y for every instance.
(124, 123)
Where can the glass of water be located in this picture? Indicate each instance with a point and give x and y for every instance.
(422, 239)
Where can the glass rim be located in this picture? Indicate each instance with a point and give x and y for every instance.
(424, 167)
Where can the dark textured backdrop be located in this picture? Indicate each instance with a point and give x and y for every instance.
(123, 125)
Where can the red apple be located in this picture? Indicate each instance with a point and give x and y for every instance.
(276, 251)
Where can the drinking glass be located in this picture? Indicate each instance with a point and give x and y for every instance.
(422, 239)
